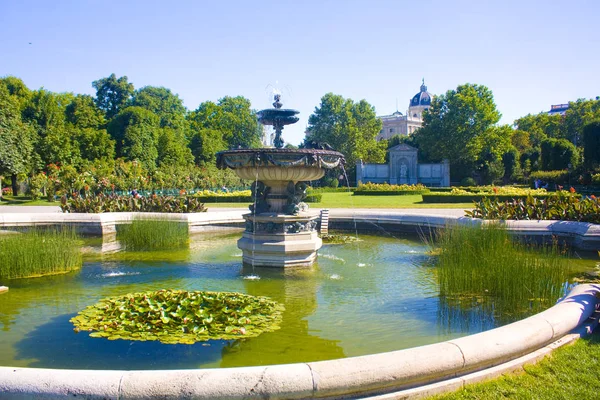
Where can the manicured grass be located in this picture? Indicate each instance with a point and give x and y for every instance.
(347, 200)
(570, 372)
(26, 201)
(39, 252)
(153, 234)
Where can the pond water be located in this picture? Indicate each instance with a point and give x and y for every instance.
(378, 294)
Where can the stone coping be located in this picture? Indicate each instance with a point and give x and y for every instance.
(411, 372)
(414, 372)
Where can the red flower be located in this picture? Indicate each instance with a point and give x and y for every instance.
(593, 197)
(572, 190)
(495, 189)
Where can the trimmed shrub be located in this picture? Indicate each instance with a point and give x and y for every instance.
(385, 189)
(468, 182)
(560, 177)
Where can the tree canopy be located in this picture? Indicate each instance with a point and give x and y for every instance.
(112, 94)
(348, 127)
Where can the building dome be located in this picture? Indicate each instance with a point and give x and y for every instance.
(423, 98)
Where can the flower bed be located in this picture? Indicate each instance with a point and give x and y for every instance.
(562, 206)
(114, 203)
(385, 189)
(457, 195)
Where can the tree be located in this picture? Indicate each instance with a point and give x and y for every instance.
(112, 94)
(86, 123)
(162, 102)
(558, 154)
(228, 124)
(348, 127)
(15, 138)
(579, 114)
(205, 143)
(542, 126)
(173, 149)
(136, 132)
(54, 142)
(457, 123)
(591, 145)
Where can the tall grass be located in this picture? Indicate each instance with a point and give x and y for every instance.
(153, 234)
(482, 266)
(39, 252)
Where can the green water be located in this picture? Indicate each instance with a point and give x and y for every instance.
(375, 295)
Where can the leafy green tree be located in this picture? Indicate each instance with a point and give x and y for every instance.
(541, 126)
(136, 132)
(162, 102)
(84, 113)
(233, 117)
(112, 94)
(54, 142)
(591, 144)
(579, 114)
(173, 149)
(16, 145)
(86, 123)
(558, 154)
(348, 127)
(457, 125)
(205, 143)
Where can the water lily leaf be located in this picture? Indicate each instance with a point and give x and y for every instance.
(175, 316)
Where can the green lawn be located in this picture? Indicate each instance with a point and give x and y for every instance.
(347, 200)
(26, 201)
(570, 372)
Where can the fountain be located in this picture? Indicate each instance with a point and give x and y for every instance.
(280, 231)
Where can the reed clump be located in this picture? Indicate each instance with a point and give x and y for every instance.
(144, 234)
(483, 265)
(39, 252)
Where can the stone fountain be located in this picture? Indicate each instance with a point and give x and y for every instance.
(280, 230)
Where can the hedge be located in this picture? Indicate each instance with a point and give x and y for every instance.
(468, 198)
(389, 192)
(311, 198)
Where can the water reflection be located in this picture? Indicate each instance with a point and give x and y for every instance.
(387, 298)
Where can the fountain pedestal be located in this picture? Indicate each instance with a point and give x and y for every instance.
(279, 240)
(280, 232)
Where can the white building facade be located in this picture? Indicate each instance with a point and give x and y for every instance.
(399, 124)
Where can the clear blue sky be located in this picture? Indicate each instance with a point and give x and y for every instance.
(530, 53)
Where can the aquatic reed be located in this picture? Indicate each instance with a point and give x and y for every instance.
(145, 233)
(483, 266)
(39, 252)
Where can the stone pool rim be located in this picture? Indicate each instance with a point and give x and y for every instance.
(414, 372)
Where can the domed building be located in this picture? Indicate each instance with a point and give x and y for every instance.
(399, 124)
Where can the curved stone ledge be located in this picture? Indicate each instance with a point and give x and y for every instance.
(381, 375)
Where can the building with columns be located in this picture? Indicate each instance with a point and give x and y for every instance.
(399, 124)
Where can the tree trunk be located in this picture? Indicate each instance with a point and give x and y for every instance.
(15, 184)
(1, 178)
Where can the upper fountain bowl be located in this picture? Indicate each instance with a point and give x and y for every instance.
(277, 116)
(271, 164)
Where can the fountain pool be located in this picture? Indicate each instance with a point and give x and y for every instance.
(371, 296)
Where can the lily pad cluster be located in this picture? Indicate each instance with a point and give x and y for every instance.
(178, 316)
(338, 239)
